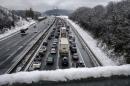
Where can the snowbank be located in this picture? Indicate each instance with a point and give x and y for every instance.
(92, 43)
(21, 24)
(64, 75)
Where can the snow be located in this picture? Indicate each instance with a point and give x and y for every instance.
(64, 74)
(92, 43)
(20, 25)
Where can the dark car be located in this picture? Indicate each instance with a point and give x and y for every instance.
(50, 60)
(80, 64)
(73, 49)
(49, 38)
(45, 43)
(56, 36)
(73, 44)
(65, 61)
(41, 52)
(75, 56)
(38, 58)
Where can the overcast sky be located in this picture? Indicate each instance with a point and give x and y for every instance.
(42, 5)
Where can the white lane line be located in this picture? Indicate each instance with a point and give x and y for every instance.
(78, 48)
(11, 55)
(81, 56)
(1, 39)
(58, 57)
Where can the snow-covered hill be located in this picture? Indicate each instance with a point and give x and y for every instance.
(7, 19)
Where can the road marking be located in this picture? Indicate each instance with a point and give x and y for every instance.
(78, 47)
(81, 56)
(11, 55)
(1, 39)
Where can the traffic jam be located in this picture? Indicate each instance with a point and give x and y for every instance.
(58, 51)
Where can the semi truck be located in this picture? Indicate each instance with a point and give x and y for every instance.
(63, 46)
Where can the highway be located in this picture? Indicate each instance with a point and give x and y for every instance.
(82, 52)
(14, 45)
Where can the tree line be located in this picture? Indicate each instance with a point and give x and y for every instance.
(109, 24)
(7, 19)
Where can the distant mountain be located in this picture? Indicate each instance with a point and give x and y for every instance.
(57, 12)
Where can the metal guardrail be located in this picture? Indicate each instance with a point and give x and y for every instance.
(94, 59)
(33, 56)
(21, 56)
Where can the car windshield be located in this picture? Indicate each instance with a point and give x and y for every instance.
(65, 42)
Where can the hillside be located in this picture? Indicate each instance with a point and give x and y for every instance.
(110, 25)
(7, 18)
(22, 13)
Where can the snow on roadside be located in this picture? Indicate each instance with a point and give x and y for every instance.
(64, 74)
(20, 25)
(92, 43)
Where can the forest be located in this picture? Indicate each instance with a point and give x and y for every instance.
(110, 25)
(7, 19)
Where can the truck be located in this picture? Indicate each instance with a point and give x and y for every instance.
(63, 32)
(63, 46)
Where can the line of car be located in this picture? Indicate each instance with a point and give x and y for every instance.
(54, 38)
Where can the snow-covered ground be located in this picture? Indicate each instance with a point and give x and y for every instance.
(64, 75)
(92, 43)
(20, 25)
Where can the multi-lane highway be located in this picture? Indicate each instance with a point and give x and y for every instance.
(14, 45)
(49, 45)
(83, 53)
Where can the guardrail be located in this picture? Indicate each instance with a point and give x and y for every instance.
(92, 56)
(37, 50)
(31, 46)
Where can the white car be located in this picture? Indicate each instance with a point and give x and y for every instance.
(53, 51)
(44, 48)
(55, 41)
(36, 65)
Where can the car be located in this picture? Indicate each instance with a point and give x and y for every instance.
(52, 34)
(50, 60)
(41, 52)
(80, 64)
(73, 50)
(49, 38)
(53, 46)
(36, 65)
(34, 26)
(55, 41)
(70, 41)
(45, 43)
(70, 36)
(23, 32)
(75, 56)
(38, 57)
(43, 48)
(54, 28)
(73, 38)
(53, 51)
(56, 36)
(65, 61)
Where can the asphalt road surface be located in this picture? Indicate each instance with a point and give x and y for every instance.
(12, 46)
